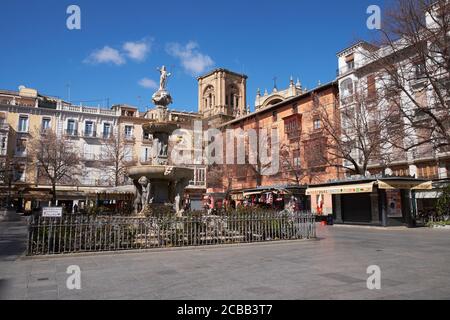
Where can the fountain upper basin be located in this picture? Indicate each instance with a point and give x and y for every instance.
(170, 173)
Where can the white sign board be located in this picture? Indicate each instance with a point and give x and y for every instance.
(52, 212)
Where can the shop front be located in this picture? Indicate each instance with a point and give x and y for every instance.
(426, 200)
(382, 202)
(273, 197)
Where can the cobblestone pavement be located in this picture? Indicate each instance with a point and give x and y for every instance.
(414, 265)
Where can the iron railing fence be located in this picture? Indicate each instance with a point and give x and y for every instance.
(81, 233)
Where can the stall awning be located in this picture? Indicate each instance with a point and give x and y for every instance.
(342, 189)
(251, 193)
(409, 185)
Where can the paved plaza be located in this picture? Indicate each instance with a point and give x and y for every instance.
(414, 265)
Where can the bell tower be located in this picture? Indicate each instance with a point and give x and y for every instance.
(222, 94)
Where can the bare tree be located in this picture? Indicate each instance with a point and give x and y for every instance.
(291, 161)
(6, 178)
(116, 156)
(359, 134)
(221, 177)
(413, 64)
(56, 158)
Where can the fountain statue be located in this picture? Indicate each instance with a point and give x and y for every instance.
(159, 183)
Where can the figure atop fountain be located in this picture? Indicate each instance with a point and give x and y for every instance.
(163, 78)
(162, 98)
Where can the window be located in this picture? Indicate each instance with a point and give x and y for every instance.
(427, 171)
(3, 146)
(420, 70)
(127, 154)
(371, 87)
(71, 127)
(199, 176)
(296, 158)
(45, 125)
(23, 124)
(19, 173)
(128, 132)
(291, 127)
(89, 153)
(209, 97)
(146, 156)
(349, 63)
(400, 172)
(347, 91)
(89, 128)
(275, 115)
(317, 124)
(21, 147)
(106, 130)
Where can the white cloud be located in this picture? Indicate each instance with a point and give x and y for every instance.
(148, 83)
(192, 60)
(137, 50)
(105, 55)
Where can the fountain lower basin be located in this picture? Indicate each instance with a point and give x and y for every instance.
(166, 181)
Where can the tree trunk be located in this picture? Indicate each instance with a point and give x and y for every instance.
(53, 194)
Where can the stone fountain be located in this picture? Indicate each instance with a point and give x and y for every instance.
(159, 184)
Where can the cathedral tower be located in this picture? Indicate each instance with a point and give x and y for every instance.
(222, 94)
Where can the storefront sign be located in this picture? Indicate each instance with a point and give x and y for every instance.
(52, 212)
(344, 189)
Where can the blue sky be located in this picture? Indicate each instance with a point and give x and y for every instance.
(115, 54)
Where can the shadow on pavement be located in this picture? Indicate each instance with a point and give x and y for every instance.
(13, 239)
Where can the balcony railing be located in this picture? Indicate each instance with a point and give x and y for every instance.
(348, 68)
(4, 127)
(106, 135)
(3, 152)
(91, 157)
(71, 132)
(89, 134)
(193, 183)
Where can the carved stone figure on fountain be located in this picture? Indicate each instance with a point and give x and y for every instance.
(179, 212)
(143, 196)
(163, 77)
(162, 98)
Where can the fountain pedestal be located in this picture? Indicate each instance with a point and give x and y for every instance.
(159, 183)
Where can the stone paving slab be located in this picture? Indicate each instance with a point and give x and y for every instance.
(414, 265)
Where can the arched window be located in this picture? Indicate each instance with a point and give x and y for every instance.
(347, 88)
(208, 97)
(233, 96)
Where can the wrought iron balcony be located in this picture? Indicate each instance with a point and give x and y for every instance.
(90, 134)
(71, 132)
